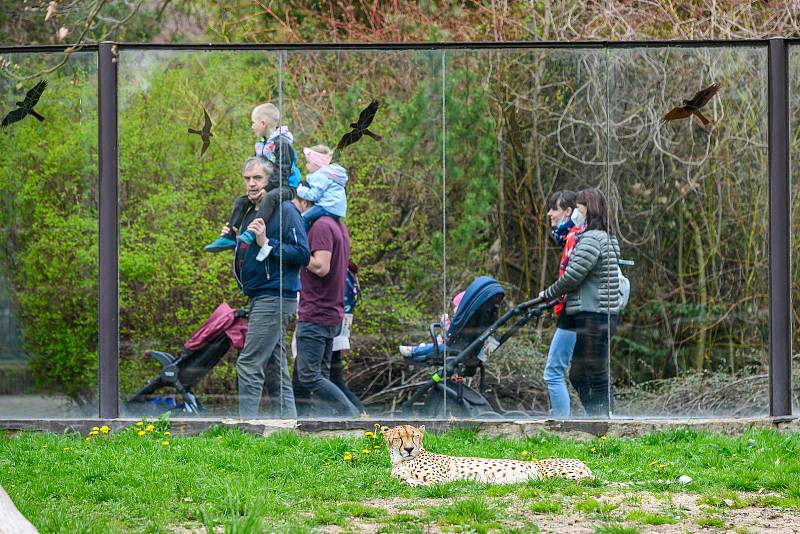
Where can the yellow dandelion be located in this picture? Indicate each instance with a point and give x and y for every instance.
(104, 429)
(149, 428)
(165, 442)
(88, 439)
(377, 425)
(662, 466)
(365, 451)
(139, 423)
(592, 450)
(93, 433)
(533, 459)
(95, 428)
(167, 433)
(653, 463)
(44, 446)
(140, 433)
(376, 447)
(369, 434)
(524, 453)
(347, 457)
(67, 448)
(603, 438)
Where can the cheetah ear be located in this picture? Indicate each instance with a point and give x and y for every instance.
(384, 431)
(422, 429)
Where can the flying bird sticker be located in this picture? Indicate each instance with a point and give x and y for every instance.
(205, 134)
(360, 127)
(693, 106)
(26, 106)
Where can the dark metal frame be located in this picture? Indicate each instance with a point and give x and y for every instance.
(780, 281)
(780, 340)
(108, 308)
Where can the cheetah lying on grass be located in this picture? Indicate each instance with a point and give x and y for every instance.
(417, 467)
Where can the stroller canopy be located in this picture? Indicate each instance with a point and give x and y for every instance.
(479, 291)
(222, 319)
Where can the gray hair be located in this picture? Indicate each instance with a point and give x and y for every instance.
(266, 164)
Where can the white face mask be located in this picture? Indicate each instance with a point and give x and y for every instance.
(578, 217)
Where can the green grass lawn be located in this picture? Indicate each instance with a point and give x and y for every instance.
(226, 480)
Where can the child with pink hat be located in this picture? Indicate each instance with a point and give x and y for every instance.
(423, 349)
(324, 185)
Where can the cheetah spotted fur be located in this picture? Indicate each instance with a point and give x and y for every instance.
(415, 466)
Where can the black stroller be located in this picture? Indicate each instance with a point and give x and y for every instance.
(225, 328)
(464, 354)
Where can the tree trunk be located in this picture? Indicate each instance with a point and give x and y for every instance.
(702, 286)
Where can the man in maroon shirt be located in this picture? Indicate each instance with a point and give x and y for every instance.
(320, 315)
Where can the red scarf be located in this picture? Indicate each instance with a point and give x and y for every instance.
(566, 254)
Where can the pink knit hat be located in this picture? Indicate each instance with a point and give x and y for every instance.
(457, 300)
(320, 160)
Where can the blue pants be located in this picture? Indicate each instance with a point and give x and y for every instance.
(423, 349)
(558, 358)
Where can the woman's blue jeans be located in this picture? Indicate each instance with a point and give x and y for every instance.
(558, 358)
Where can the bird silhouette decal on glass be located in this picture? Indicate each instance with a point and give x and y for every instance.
(205, 134)
(693, 106)
(26, 106)
(360, 127)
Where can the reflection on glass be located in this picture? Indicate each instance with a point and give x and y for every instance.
(690, 201)
(176, 194)
(48, 265)
(182, 315)
(465, 173)
(525, 131)
(394, 213)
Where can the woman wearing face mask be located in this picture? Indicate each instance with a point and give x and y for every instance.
(591, 283)
(561, 206)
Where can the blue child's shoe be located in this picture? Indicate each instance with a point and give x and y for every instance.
(222, 243)
(247, 237)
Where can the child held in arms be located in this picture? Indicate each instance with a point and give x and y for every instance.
(275, 144)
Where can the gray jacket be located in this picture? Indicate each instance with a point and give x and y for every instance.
(591, 281)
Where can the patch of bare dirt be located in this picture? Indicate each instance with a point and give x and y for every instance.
(683, 506)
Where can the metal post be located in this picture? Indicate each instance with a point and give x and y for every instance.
(780, 287)
(108, 320)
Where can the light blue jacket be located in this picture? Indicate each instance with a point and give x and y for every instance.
(326, 189)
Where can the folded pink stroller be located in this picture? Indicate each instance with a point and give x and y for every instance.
(224, 329)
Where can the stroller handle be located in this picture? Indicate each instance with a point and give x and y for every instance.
(524, 306)
(432, 330)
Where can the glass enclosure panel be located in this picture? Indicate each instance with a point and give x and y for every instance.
(794, 154)
(174, 199)
(524, 127)
(452, 194)
(393, 214)
(175, 196)
(690, 206)
(48, 263)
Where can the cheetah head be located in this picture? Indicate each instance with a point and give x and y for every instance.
(404, 442)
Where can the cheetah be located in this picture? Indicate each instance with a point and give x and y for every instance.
(415, 466)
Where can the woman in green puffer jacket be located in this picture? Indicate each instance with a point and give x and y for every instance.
(591, 283)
